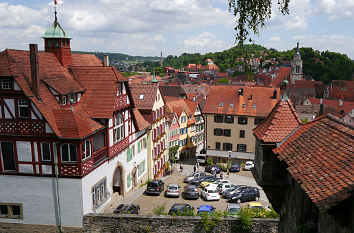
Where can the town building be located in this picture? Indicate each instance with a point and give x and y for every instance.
(296, 66)
(149, 101)
(306, 170)
(230, 114)
(70, 137)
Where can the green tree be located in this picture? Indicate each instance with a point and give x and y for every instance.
(250, 15)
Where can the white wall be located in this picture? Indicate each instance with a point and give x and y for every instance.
(37, 196)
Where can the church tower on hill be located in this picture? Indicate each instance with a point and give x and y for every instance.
(57, 41)
(296, 66)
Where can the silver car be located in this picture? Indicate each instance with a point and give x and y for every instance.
(194, 176)
(172, 190)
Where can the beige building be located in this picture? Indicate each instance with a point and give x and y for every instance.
(231, 112)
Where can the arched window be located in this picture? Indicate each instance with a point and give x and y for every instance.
(86, 149)
(118, 128)
(68, 153)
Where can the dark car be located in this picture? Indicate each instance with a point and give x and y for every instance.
(190, 192)
(198, 180)
(236, 188)
(176, 208)
(127, 209)
(155, 187)
(216, 167)
(248, 194)
(235, 167)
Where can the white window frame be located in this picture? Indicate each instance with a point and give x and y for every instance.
(23, 103)
(86, 149)
(50, 152)
(69, 153)
(99, 193)
(118, 127)
(63, 100)
(6, 84)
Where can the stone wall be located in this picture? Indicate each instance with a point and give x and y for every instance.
(26, 228)
(97, 223)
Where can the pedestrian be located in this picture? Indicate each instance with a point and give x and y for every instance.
(214, 173)
(228, 175)
(221, 175)
(180, 167)
(195, 168)
(212, 170)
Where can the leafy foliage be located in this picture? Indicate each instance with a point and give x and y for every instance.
(160, 209)
(209, 222)
(184, 212)
(250, 15)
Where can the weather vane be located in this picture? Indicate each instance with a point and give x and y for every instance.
(55, 9)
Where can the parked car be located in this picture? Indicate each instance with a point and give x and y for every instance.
(217, 182)
(210, 193)
(155, 187)
(223, 187)
(207, 181)
(206, 209)
(216, 167)
(233, 190)
(197, 181)
(254, 205)
(235, 167)
(193, 176)
(248, 165)
(172, 190)
(190, 192)
(179, 208)
(232, 209)
(127, 209)
(248, 194)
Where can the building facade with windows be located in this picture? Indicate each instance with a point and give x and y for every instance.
(149, 102)
(230, 114)
(68, 130)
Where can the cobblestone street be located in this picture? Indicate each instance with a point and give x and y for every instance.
(148, 203)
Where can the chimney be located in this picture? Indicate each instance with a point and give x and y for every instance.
(34, 61)
(275, 93)
(321, 108)
(106, 60)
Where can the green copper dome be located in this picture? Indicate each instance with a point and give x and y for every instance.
(56, 31)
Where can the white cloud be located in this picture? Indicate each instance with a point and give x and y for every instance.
(206, 40)
(275, 39)
(335, 8)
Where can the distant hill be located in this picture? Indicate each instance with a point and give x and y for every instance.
(121, 57)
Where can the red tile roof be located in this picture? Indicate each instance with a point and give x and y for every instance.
(261, 99)
(148, 90)
(280, 122)
(320, 158)
(282, 73)
(140, 120)
(346, 105)
(101, 88)
(79, 59)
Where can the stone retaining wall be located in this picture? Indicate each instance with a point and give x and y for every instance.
(94, 223)
(32, 228)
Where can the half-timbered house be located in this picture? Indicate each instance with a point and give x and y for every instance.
(70, 138)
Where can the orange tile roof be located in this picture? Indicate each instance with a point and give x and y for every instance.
(148, 90)
(101, 88)
(261, 99)
(141, 122)
(79, 59)
(320, 158)
(282, 73)
(280, 122)
(346, 105)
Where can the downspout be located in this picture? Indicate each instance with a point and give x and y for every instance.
(57, 187)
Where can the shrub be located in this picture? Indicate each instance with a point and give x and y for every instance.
(160, 210)
(209, 162)
(209, 222)
(244, 222)
(184, 212)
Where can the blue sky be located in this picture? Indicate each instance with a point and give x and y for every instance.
(146, 27)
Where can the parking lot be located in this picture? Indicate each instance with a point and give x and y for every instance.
(148, 203)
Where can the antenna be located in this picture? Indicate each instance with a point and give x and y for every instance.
(55, 9)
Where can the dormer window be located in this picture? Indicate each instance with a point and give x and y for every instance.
(141, 97)
(221, 104)
(243, 106)
(6, 84)
(254, 106)
(231, 105)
